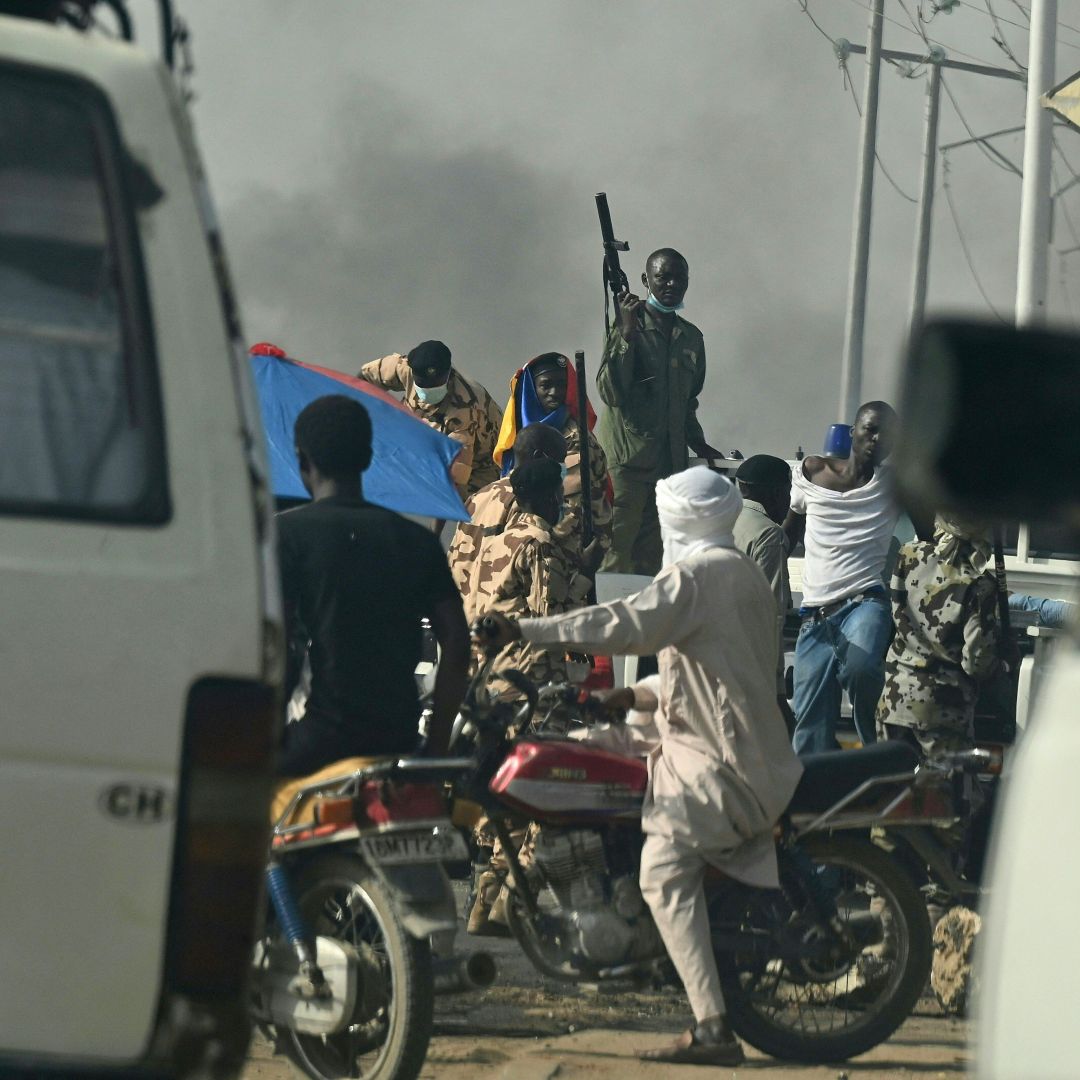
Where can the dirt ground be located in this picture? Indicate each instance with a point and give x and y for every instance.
(526, 1027)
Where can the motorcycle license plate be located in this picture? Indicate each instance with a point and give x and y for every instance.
(415, 846)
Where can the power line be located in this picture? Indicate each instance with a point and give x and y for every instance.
(805, 8)
(804, 5)
(1064, 208)
(877, 157)
(1063, 265)
(1068, 164)
(1063, 275)
(1026, 26)
(963, 242)
(929, 40)
(1000, 40)
(991, 153)
(1027, 15)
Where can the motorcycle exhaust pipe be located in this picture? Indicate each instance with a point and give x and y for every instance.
(460, 974)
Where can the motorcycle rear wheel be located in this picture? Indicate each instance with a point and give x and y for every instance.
(833, 1013)
(341, 898)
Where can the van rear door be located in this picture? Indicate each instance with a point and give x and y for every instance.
(133, 645)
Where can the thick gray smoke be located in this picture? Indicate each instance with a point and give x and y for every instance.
(389, 173)
(396, 240)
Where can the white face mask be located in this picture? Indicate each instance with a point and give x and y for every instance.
(431, 395)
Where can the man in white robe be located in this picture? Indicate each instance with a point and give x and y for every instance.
(724, 770)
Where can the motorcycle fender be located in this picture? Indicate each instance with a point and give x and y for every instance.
(423, 897)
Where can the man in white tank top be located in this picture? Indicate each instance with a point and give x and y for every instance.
(844, 514)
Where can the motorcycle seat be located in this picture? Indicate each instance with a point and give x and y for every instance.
(828, 777)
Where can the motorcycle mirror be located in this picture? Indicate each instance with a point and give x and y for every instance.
(989, 416)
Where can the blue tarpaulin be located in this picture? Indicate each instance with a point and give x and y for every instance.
(410, 468)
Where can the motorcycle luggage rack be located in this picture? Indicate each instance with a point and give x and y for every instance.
(869, 817)
(299, 834)
(415, 770)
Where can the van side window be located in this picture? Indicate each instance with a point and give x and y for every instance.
(80, 419)
(1052, 540)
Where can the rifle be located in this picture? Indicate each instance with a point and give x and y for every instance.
(587, 528)
(614, 276)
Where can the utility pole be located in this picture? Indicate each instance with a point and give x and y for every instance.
(938, 61)
(855, 324)
(1035, 205)
(926, 196)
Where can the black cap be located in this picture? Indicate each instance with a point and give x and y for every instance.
(429, 358)
(547, 360)
(764, 470)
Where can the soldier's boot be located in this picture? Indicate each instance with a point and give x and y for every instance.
(488, 891)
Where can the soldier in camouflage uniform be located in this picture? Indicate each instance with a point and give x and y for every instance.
(443, 398)
(490, 508)
(524, 571)
(944, 606)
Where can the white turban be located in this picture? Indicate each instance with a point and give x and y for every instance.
(697, 510)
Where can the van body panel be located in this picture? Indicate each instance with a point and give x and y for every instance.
(108, 625)
(1027, 952)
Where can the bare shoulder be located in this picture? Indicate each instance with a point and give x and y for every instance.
(814, 465)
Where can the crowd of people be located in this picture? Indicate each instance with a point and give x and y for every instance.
(909, 652)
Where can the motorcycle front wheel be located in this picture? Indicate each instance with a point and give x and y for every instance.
(803, 1002)
(340, 898)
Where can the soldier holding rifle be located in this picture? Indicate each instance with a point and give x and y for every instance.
(651, 374)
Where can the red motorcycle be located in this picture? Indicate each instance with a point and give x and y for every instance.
(821, 969)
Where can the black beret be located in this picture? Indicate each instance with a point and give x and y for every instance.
(547, 360)
(764, 470)
(429, 355)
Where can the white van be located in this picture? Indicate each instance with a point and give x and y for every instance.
(140, 640)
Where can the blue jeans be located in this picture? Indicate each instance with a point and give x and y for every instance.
(1055, 613)
(842, 651)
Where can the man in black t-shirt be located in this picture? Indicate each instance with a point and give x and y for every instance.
(357, 579)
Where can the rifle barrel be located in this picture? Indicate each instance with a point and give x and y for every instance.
(584, 462)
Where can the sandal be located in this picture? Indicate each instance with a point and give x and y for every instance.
(688, 1049)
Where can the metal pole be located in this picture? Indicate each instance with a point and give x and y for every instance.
(926, 199)
(845, 47)
(1031, 272)
(851, 364)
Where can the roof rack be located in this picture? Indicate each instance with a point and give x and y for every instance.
(81, 14)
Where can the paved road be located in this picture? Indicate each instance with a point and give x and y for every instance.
(926, 1047)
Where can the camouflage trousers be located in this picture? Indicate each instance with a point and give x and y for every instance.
(928, 741)
(491, 895)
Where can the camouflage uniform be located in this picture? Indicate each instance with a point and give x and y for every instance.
(490, 508)
(945, 644)
(488, 512)
(524, 572)
(468, 415)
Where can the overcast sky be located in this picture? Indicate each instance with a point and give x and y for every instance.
(390, 172)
